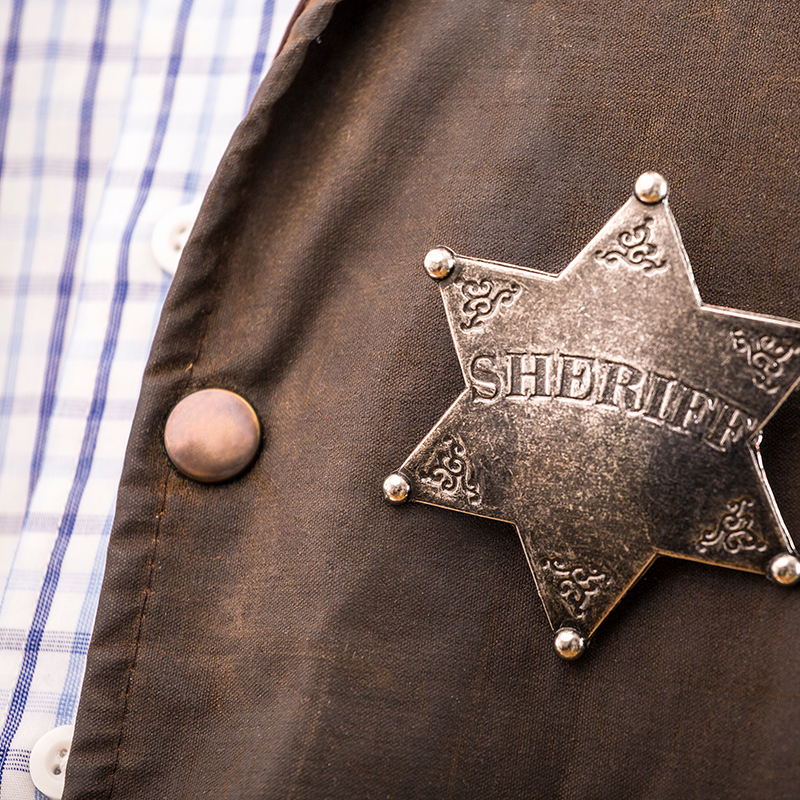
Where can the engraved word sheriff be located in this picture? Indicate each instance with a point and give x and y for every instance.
(610, 415)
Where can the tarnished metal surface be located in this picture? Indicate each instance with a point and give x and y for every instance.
(609, 414)
(212, 435)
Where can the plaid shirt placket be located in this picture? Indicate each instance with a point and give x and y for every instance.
(162, 85)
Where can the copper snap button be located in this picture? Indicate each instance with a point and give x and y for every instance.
(212, 435)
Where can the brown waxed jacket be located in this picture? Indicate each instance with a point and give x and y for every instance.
(288, 634)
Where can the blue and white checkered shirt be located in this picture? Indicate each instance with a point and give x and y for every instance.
(112, 114)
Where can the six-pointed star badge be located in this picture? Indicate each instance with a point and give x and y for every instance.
(610, 415)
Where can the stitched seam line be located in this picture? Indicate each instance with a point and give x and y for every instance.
(151, 566)
(139, 628)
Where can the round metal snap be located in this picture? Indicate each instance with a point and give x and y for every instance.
(212, 435)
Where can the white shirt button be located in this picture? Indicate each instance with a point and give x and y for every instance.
(49, 761)
(170, 234)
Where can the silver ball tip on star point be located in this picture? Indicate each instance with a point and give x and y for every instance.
(784, 569)
(396, 489)
(439, 262)
(651, 187)
(569, 643)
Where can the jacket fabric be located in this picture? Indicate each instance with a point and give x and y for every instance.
(288, 633)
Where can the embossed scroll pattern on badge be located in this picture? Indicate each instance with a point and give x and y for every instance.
(610, 415)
